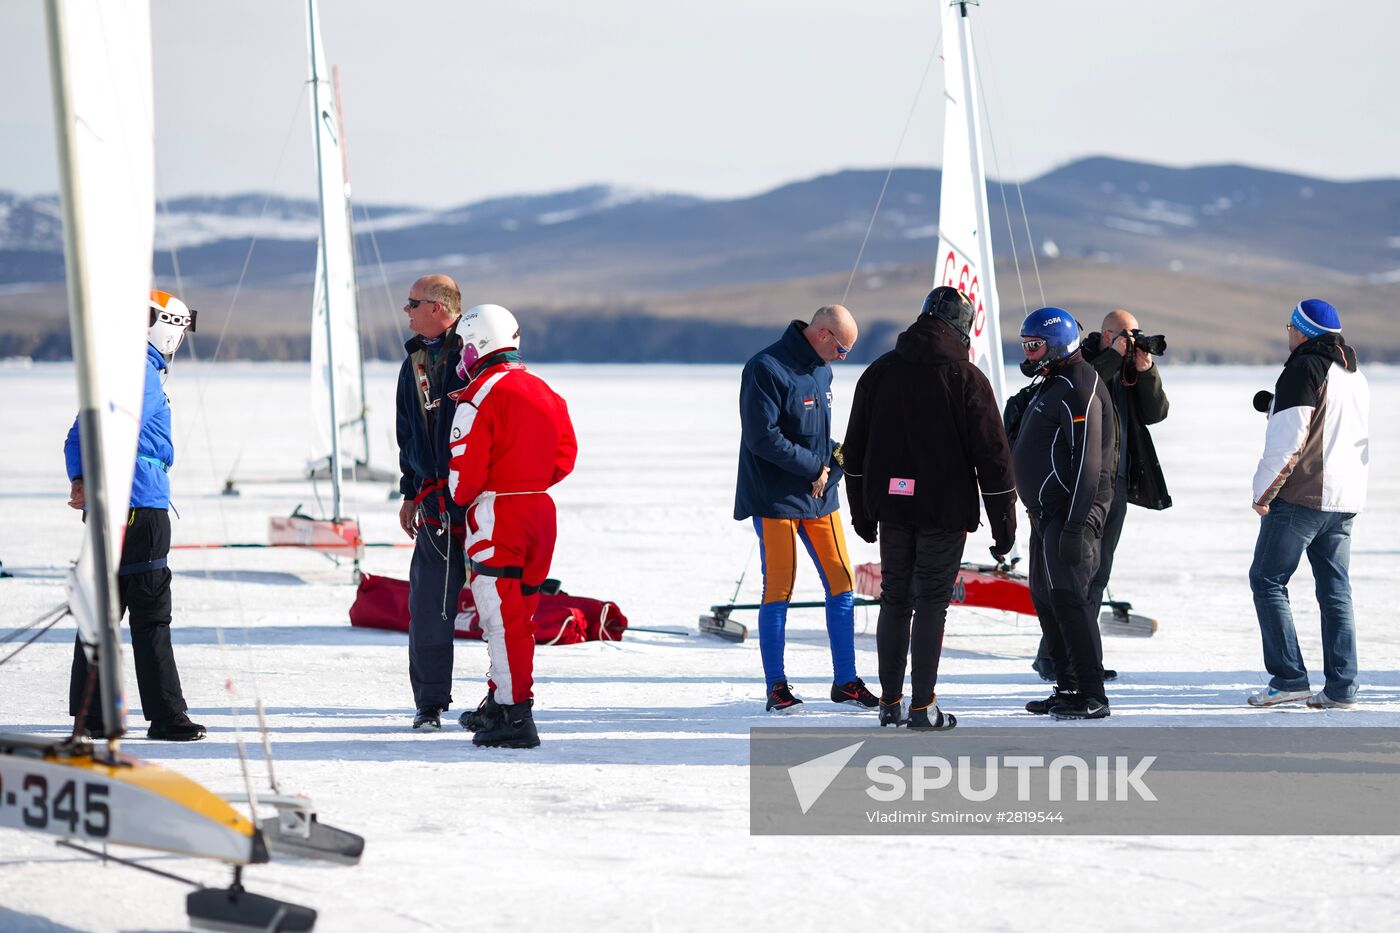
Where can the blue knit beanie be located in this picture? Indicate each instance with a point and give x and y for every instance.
(1314, 317)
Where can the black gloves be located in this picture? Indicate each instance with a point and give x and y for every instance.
(1076, 543)
(1001, 519)
(865, 529)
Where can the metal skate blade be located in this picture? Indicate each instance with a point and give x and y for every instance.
(1130, 624)
(234, 910)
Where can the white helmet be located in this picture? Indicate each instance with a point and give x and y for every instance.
(170, 318)
(485, 329)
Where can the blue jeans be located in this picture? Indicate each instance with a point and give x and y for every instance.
(1285, 534)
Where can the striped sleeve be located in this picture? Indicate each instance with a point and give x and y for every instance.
(1297, 397)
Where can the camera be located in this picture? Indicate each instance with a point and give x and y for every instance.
(1156, 344)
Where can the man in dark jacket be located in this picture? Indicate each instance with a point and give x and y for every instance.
(924, 434)
(428, 514)
(1064, 462)
(1135, 387)
(788, 476)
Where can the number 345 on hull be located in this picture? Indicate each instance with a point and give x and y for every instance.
(61, 788)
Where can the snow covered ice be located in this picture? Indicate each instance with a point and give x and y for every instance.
(633, 814)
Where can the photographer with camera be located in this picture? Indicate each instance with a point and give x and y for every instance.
(1122, 355)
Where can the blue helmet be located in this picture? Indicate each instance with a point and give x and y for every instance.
(1060, 331)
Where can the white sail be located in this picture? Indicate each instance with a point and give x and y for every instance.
(964, 231)
(337, 386)
(100, 58)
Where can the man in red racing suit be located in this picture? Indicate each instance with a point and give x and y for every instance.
(511, 440)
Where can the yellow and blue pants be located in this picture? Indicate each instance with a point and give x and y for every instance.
(826, 544)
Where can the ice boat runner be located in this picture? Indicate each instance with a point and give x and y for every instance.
(100, 65)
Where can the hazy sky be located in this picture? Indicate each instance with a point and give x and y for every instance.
(447, 102)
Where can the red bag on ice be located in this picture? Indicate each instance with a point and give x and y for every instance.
(561, 619)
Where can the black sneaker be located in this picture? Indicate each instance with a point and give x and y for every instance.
(516, 728)
(175, 729)
(1110, 674)
(781, 700)
(486, 715)
(428, 717)
(854, 694)
(1045, 667)
(1078, 706)
(892, 714)
(1041, 707)
(921, 721)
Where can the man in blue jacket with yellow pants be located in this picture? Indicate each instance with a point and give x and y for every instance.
(143, 576)
(788, 476)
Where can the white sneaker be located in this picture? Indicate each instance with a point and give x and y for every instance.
(1321, 700)
(1271, 697)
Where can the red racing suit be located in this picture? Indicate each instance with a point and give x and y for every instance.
(511, 440)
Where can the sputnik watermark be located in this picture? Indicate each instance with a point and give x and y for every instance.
(1073, 780)
(1102, 779)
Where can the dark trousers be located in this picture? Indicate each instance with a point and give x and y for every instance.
(917, 571)
(1068, 624)
(146, 596)
(435, 580)
(1108, 544)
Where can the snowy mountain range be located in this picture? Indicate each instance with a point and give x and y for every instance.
(648, 255)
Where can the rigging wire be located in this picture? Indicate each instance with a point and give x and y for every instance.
(398, 326)
(45, 622)
(1011, 165)
(235, 709)
(908, 120)
(257, 228)
(1001, 185)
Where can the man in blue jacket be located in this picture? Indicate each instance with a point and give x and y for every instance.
(428, 515)
(143, 577)
(788, 476)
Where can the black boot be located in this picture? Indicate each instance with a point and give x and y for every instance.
(427, 718)
(930, 719)
(515, 730)
(175, 729)
(1080, 706)
(1041, 707)
(487, 715)
(892, 713)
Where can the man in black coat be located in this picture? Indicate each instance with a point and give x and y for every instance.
(1135, 387)
(923, 436)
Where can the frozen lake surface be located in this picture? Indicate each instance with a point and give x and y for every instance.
(633, 814)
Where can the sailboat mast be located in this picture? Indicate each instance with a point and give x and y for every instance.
(318, 113)
(986, 266)
(98, 498)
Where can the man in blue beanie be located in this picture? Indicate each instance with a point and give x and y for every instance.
(1308, 487)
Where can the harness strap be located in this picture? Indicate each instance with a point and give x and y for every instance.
(164, 467)
(128, 570)
(506, 573)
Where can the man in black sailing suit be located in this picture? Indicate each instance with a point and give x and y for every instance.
(1135, 388)
(1064, 463)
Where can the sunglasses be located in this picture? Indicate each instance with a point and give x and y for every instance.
(1032, 344)
(839, 349)
(415, 302)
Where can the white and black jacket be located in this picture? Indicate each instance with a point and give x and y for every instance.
(1317, 447)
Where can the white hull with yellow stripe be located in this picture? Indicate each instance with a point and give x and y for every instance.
(60, 788)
